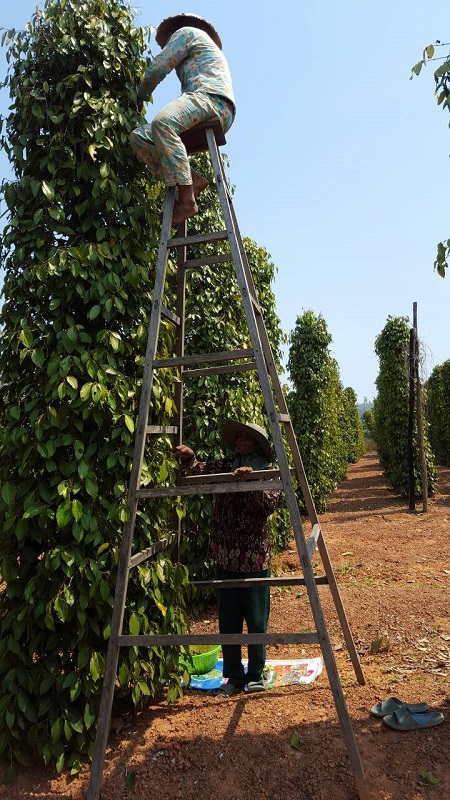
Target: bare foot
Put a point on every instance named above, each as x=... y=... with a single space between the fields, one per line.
x=199 y=183
x=183 y=211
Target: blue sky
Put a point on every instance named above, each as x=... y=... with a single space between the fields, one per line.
x=340 y=162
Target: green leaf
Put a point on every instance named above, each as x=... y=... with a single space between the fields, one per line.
x=48 y=190
x=55 y=730
x=8 y=493
x=72 y=381
x=295 y=741
x=64 y=514
x=77 y=509
x=88 y=716
x=134 y=625
x=94 y=312
x=130 y=780
x=94 y=667
x=33 y=511
x=129 y=423
x=91 y=487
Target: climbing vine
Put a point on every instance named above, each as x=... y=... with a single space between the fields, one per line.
x=438 y=411
x=324 y=417
x=391 y=410
x=79 y=249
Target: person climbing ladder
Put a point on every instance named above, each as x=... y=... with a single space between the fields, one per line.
x=192 y=47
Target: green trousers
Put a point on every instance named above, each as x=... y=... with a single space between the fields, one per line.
x=235 y=606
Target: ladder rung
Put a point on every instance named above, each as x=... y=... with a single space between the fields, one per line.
x=173 y=639
x=284 y=418
x=195 y=373
x=211 y=488
x=203 y=358
x=199 y=238
x=204 y=262
x=156 y=547
x=243 y=583
x=170 y=315
x=228 y=477
x=162 y=429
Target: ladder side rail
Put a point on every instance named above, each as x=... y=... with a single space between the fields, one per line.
x=340 y=610
x=179 y=352
x=271 y=368
x=180 y=333
x=112 y=657
x=152 y=343
x=291 y=499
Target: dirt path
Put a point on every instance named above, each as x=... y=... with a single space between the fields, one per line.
x=393 y=571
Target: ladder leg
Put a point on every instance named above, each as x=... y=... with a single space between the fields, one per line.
x=112 y=658
x=283 y=464
x=340 y=610
x=271 y=368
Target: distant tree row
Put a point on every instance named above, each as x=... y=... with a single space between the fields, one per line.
x=324 y=414
x=438 y=409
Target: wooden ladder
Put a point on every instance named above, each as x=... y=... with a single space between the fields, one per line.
x=201 y=138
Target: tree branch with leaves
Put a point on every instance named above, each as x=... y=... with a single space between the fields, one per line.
x=442 y=95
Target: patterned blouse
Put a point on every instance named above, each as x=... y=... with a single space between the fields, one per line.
x=199 y=63
x=240 y=538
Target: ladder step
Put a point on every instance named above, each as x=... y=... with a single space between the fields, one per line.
x=228 y=477
x=204 y=262
x=284 y=417
x=162 y=429
x=156 y=547
x=243 y=583
x=211 y=488
x=221 y=638
x=199 y=238
x=202 y=358
x=195 y=373
x=170 y=315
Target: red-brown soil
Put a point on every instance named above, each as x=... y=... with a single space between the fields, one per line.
x=393 y=571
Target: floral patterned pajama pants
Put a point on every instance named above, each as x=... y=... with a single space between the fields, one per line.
x=158 y=143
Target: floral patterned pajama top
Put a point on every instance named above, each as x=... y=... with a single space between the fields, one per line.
x=199 y=63
x=240 y=538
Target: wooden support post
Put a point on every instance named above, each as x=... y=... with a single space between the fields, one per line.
x=419 y=412
x=412 y=395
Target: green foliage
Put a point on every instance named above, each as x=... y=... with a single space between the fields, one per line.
x=391 y=410
x=442 y=95
x=438 y=412
x=351 y=427
x=368 y=421
x=78 y=251
x=325 y=418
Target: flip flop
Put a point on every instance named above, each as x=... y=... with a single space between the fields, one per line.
x=391 y=704
x=403 y=720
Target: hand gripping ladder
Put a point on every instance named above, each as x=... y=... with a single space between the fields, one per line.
x=208 y=136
